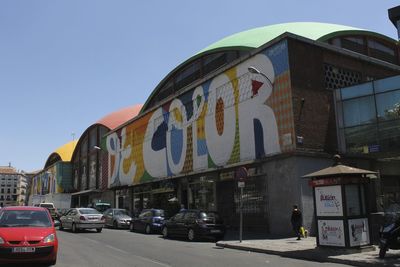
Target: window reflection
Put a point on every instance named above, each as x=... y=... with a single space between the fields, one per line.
x=388 y=105
x=359 y=111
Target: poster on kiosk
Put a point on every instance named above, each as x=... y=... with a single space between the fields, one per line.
x=329 y=201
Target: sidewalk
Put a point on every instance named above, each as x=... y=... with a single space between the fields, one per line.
x=306 y=249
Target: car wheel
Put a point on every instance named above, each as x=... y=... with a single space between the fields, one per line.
x=147 y=230
x=115 y=225
x=191 y=235
x=73 y=228
x=131 y=227
x=99 y=230
x=165 y=232
x=53 y=262
x=219 y=238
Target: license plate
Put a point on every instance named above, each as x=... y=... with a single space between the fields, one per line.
x=215 y=231
x=23 y=250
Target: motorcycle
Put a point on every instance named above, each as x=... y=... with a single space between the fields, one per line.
x=390 y=231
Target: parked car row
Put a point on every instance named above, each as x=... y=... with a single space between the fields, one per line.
x=191 y=224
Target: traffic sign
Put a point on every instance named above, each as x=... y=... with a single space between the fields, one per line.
x=240 y=184
x=241 y=173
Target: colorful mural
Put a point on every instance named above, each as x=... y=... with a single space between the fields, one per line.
x=236 y=116
x=55 y=179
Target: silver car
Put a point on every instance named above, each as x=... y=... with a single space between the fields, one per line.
x=117 y=218
x=82 y=218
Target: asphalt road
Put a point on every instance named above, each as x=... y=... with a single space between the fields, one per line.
x=119 y=248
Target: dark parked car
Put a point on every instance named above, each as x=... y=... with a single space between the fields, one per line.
x=148 y=221
x=117 y=218
x=194 y=224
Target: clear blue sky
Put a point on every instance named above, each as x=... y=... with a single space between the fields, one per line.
x=65 y=64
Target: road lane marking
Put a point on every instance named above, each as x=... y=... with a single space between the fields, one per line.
x=117 y=249
x=141 y=257
x=153 y=261
x=92 y=240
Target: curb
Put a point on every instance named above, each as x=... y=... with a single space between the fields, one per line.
x=313 y=256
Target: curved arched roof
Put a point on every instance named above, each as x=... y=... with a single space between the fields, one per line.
x=115 y=119
x=254 y=38
x=64 y=153
x=312 y=30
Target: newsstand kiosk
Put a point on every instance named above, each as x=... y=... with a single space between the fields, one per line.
x=340 y=205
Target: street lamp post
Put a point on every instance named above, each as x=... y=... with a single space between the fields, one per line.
x=254 y=70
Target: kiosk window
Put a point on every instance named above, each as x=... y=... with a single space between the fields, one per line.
x=354 y=202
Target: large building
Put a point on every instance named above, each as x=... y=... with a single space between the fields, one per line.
x=262 y=99
x=90 y=162
x=13 y=187
x=54 y=182
x=279 y=101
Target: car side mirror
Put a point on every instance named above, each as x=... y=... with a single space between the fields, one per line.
x=56 y=223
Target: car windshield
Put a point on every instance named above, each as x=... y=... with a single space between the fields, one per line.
x=48 y=206
x=158 y=213
x=120 y=212
x=24 y=218
x=88 y=211
x=209 y=215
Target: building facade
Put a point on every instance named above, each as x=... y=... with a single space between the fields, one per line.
x=90 y=162
x=13 y=187
x=368 y=118
x=54 y=182
x=211 y=115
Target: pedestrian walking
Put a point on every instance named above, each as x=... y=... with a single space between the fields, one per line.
x=297 y=221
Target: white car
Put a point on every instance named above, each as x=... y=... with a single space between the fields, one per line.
x=82 y=218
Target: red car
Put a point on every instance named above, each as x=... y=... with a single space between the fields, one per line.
x=27 y=235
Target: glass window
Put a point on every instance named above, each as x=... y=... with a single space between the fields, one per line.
x=358 y=139
x=92 y=171
x=188 y=75
x=387 y=84
x=253 y=197
x=88 y=211
x=352 y=200
x=389 y=138
x=359 y=111
x=26 y=218
x=355 y=44
x=179 y=216
x=93 y=138
x=357 y=90
x=388 y=105
x=381 y=51
x=83 y=174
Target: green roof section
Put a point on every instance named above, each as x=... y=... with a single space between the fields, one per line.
x=254 y=38
x=316 y=31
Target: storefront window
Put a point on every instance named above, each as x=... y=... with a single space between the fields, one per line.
x=253 y=197
x=201 y=195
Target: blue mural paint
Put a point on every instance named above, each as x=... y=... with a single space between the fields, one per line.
x=258 y=138
x=158 y=141
x=177 y=144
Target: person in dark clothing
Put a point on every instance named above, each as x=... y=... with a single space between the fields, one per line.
x=297 y=221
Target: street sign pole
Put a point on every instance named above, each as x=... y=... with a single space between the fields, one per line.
x=241 y=175
x=241 y=215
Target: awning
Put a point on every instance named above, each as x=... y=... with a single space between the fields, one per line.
x=86 y=192
x=341 y=170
